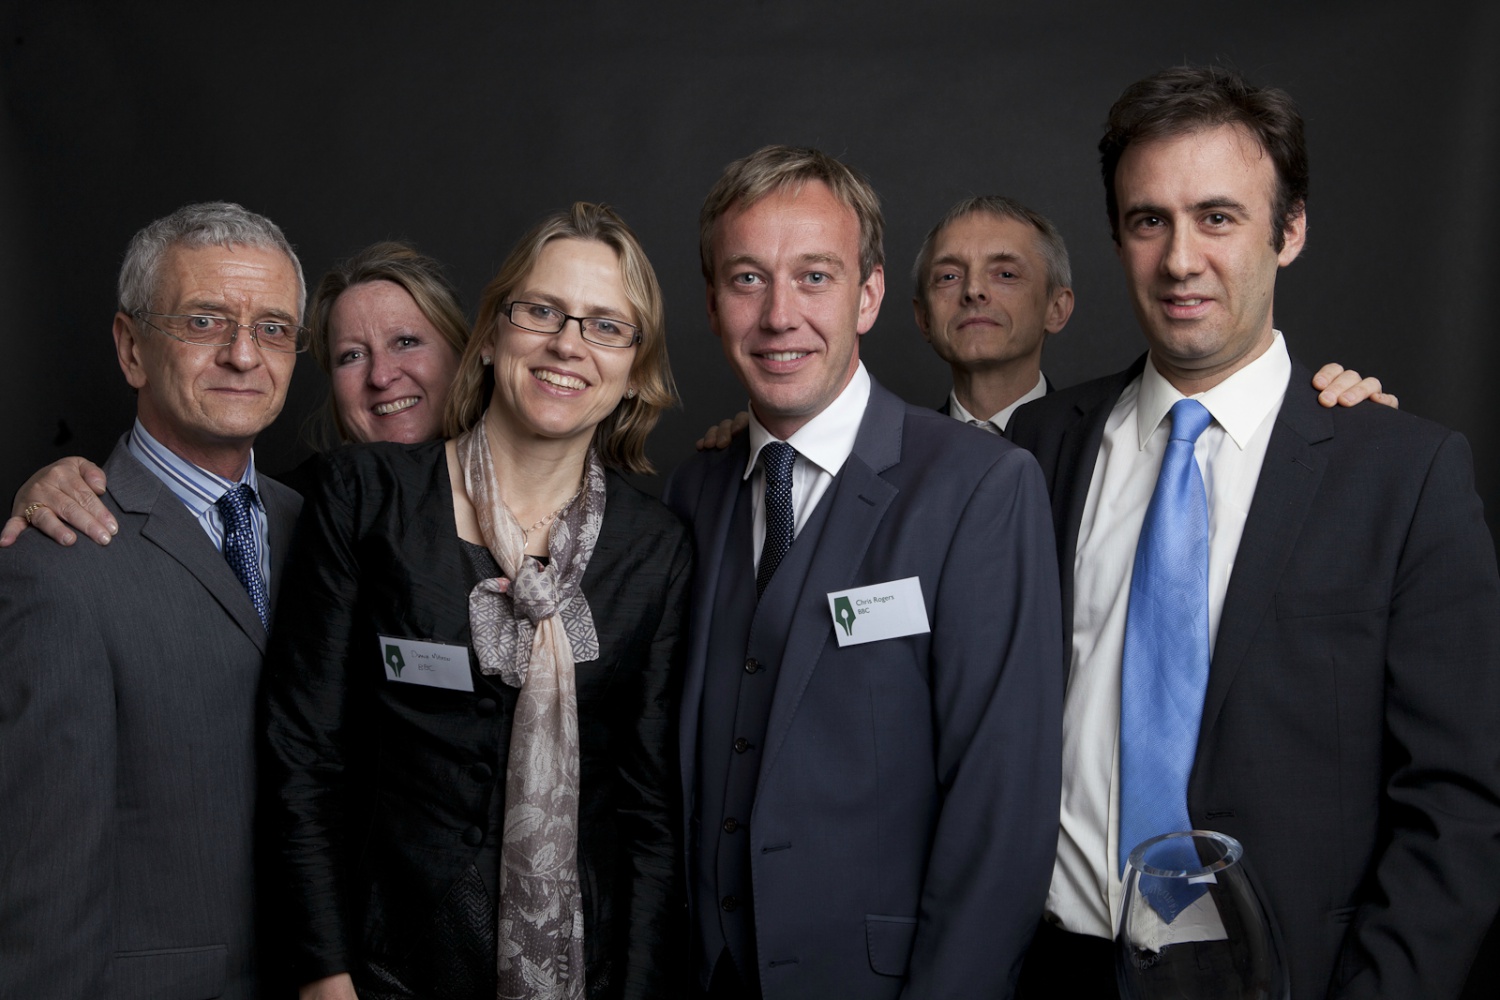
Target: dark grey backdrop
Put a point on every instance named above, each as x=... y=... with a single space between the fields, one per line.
x=457 y=125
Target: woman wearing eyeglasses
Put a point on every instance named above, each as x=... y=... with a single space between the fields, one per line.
x=469 y=713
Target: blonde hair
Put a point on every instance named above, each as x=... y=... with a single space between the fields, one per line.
x=775 y=168
x=418 y=275
x=620 y=437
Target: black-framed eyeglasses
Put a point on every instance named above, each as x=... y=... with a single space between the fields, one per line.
x=204 y=330
x=539 y=317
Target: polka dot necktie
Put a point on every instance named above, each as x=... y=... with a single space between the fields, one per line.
x=239 y=545
x=776 y=458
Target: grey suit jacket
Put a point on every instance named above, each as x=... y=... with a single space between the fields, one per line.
x=1349 y=735
x=128 y=683
x=905 y=815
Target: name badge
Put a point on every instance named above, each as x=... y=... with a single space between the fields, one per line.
x=882 y=611
x=432 y=664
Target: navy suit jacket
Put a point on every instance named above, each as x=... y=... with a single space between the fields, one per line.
x=127 y=754
x=1349 y=727
x=905 y=814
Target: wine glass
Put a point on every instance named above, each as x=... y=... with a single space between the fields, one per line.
x=1191 y=925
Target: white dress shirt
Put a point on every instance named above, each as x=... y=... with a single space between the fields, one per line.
x=1086 y=889
x=823 y=446
x=996 y=424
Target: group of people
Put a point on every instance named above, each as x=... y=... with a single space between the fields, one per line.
x=498 y=724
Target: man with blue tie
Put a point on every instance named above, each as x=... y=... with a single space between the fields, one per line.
x=871 y=703
x=1283 y=621
x=130 y=671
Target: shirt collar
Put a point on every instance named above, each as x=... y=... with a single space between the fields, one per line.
x=957 y=411
x=1239 y=404
x=828 y=438
x=196 y=487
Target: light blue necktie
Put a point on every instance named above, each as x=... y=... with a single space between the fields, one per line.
x=239 y=545
x=1165 y=669
x=776 y=458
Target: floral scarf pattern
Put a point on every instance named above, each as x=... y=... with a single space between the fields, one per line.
x=529 y=627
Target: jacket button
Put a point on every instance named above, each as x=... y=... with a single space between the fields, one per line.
x=751 y=666
x=731 y=824
x=473 y=836
x=741 y=745
x=730 y=904
x=481 y=772
x=486 y=706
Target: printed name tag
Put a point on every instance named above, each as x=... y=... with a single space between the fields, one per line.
x=884 y=611
x=431 y=663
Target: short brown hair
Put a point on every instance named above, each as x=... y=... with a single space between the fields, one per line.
x=620 y=437
x=1186 y=99
x=419 y=276
x=774 y=168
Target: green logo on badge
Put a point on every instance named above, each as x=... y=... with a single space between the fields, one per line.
x=843 y=613
x=393 y=658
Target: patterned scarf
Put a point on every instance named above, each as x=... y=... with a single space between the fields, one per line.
x=530 y=626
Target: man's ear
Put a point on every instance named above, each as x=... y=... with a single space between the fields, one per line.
x=1294 y=235
x=128 y=347
x=923 y=318
x=1059 y=310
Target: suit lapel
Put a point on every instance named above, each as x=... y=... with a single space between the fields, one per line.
x=1288 y=482
x=713 y=513
x=282 y=507
x=172 y=529
x=1077 y=456
x=858 y=501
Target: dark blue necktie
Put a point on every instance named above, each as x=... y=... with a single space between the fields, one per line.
x=776 y=459
x=1164 y=672
x=239 y=545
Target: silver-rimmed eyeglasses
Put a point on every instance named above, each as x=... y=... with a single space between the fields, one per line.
x=602 y=330
x=204 y=330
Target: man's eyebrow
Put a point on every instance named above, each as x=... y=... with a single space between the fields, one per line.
x=1207 y=204
x=1221 y=202
x=830 y=261
x=213 y=306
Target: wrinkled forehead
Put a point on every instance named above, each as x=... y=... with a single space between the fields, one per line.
x=984 y=234
x=233 y=276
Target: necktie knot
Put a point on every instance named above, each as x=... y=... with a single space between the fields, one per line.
x=1190 y=419
x=234 y=506
x=778 y=457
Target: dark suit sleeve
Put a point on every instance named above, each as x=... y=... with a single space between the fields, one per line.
x=57 y=787
x=649 y=811
x=308 y=735
x=997 y=701
x=1437 y=883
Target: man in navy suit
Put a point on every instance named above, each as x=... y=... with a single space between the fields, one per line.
x=871 y=706
x=991 y=283
x=1351 y=668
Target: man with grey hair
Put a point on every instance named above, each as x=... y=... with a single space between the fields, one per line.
x=991 y=283
x=128 y=685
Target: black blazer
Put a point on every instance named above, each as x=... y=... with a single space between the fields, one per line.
x=1349 y=735
x=388 y=791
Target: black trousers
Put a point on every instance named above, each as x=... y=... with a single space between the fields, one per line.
x=1061 y=963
